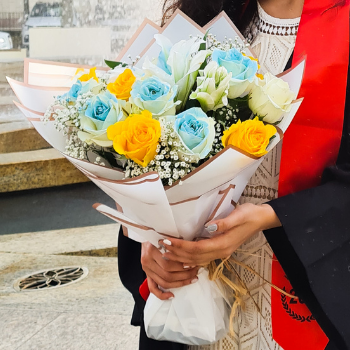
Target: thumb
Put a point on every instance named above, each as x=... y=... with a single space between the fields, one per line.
x=223 y=225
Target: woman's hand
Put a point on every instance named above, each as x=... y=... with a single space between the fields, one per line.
x=164 y=273
x=245 y=221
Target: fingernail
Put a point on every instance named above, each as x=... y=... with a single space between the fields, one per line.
x=212 y=228
x=165 y=258
x=194 y=280
x=167 y=242
x=171 y=298
x=186 y=267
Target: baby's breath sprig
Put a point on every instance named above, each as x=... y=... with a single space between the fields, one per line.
x=67 y=120
x=169 y=162
x=225 y=45
x=75 y=147
x=224 y=117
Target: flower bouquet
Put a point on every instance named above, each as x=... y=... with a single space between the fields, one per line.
x=173 y=137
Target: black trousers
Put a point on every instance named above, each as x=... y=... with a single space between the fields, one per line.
x=132 y=276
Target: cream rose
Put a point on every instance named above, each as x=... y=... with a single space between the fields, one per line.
x=270 y=98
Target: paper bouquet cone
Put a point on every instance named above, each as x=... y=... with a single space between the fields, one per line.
x=149 y=211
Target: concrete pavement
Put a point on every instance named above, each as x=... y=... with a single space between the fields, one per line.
x=93 y=313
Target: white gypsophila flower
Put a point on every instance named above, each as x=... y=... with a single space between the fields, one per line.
x=212 y=87
x=75 y=148
x=227 y=44
x=165 y=162
x=270 y=98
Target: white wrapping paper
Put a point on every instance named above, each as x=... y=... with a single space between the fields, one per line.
x=199 y=312
x=197 y=315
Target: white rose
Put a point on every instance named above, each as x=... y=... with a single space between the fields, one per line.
x=271 y=98
x=212 y=87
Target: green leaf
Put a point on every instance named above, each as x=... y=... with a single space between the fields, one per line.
x=203 y=46
x=241 y=103
x=113 y=64
x=276 y=123
x=191 y=103
x=206 y=35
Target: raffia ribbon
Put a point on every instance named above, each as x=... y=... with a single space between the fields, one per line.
x=237 y=290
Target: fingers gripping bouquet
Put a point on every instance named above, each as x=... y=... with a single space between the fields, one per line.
x=173 y=137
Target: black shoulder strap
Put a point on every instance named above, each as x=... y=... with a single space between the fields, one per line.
x=289 y=63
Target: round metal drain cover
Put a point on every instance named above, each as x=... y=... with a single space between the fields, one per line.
x=52 y=278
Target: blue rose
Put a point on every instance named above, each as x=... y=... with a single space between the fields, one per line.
x=73 y=93
x=99 y=106
x=153 y=95
x=243 y=70
x=80 y=88
x=103 y=111
x=196 y=132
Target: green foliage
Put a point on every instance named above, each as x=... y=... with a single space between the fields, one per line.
x=109 y=157
x=203 y=46
x=113 y=64
x=241 y=104
x=191 y=103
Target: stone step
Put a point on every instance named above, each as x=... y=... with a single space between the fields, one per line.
x=11 y=69
x=5 y=90
x=36 y=169
x=7 y=99
x=20 y=136
x=10 y=113
x=73 y=241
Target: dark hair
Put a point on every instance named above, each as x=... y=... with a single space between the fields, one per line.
x=202 y=11
x=241 y=12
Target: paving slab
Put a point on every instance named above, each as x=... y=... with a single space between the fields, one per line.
x=93 y=313
x=18 y=326
x=84 y=332
x=101 y=292
x=61 y=241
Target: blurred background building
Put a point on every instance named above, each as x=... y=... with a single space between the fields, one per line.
x=17 y=17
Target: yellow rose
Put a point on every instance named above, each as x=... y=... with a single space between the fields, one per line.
x=252 y=136
x=136 y=137
x=122 y=86
x=87 y=77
